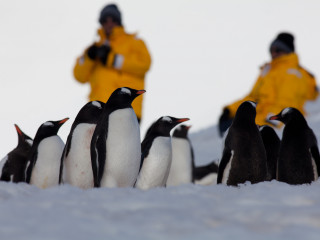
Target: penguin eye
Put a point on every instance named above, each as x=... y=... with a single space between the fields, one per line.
x=125 y=91
x=253 y=104
x=96 y=104
x=49 y=124
x=168 y=119
x=285 y=111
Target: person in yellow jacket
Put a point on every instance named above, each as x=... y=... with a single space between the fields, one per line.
x=118 y=59
x=282 y=83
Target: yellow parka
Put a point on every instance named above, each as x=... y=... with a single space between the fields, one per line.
x=282 y=83
x=126 y=66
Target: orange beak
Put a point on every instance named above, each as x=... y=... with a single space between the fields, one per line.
x=274 y=117
x=141 y=92
x=182 y=120
x=18 y=129
x=63 y=121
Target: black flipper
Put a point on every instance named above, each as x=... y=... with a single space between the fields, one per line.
x=223 y=163
x=32 y=162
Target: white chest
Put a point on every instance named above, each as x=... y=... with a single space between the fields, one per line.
x=314 y=167
x=123 y=149
x=181 y=166
x=227 y=169
x=77 y=165
x=45 y=172
x=156 y=166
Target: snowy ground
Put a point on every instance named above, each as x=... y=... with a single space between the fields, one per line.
x=268 y=210
x=211 y=48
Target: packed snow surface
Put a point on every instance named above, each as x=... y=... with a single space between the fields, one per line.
x=267 y=210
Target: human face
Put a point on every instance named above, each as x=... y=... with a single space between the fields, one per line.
x=276 y=52
x=108 y=25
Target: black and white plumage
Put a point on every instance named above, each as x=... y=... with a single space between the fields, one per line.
x=43 y=164
x=157 y=153
x=76 y=168
x=14 y=168
x=115 y=146
x=206 y=174
x=271 y=143
x=244 y=157
x=299 y=160
x=181 y=171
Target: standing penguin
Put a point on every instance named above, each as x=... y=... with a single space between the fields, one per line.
x=181 y=171
x=244 y=157
x=271 y=143
x=43 y=164
x=157 y=153
x=299 y=160
x=14 y=167
x=76 y=168
x=115 y=145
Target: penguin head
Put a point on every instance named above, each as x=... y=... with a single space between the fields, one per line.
x=49 y=128
x=181 y=131
x=287 y=115
x=246 y=110
x=23 y=138
x=266 y=130
x=164 y=125
x=124 y=95
x=90 y=112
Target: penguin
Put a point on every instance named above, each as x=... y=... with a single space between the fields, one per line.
x=14 y=167
x=244 y=157
x=271 y=143
x=156 y=154
x=181 y=171
x=75 y=167
x=115 y=146
x=207 y=174
x=299 y=160
x=44 y=159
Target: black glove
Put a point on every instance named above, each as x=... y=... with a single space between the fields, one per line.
x=94 y=52
x=103 y=52
x=225 y=121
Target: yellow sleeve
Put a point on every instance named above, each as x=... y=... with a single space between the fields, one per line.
x=135 y=61
x=313 y=91
x=252 y=96
x=83 y=68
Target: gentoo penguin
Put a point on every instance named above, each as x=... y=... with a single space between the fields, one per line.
x=43 y=164
x=271 y=143
x=115 y=145
x=207 y=174
x=181 y=171
x=157 y=153
x=299 y=160
x=14 y=167
x=76 y=168
x=244 y=157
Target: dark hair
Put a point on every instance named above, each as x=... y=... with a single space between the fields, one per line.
x=283 y=42
x=111 y=10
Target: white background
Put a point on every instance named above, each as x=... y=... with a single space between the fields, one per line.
x=205 y=54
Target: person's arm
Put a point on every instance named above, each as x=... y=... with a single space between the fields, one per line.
x=313 y=90
x=83 y=67
x=135 y=61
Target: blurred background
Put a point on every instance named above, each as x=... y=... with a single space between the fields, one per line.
x=205 y=54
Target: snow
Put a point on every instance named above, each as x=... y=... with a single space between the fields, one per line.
x=268 y=210
x=205 y=54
